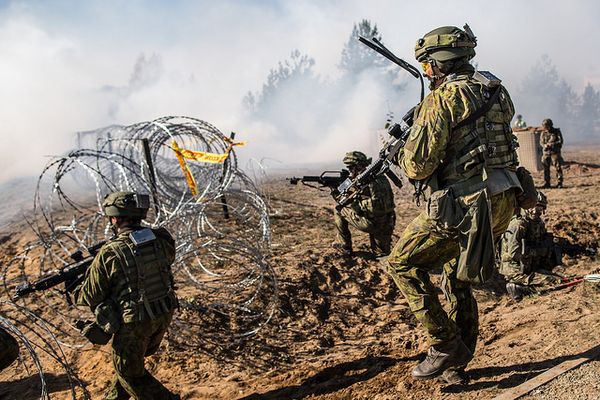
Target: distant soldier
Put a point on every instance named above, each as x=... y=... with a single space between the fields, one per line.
x=520 y=122
x=528 y=253
x=551 y=141
x=130 y=288
x=9 y=349
x=371 y=211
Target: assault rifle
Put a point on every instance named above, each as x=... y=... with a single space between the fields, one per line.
x=398 y=132
x=330 y=179
x=350 y=188
x=71 y=274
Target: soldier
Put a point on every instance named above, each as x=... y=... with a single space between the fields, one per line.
x=528 y=252
x=372 y=211
x=130 y=288
x=9 y=349
x=461 y=148
x=551 y=141
x=520 y=122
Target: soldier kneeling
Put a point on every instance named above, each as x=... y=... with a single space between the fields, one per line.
x=371 y=211
x=528 y=253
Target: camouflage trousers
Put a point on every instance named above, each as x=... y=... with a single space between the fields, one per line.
x=556 y=160
x=131 y=344
x=9 y=349
x=423 y=248
x=538 y=278
x=379 y=228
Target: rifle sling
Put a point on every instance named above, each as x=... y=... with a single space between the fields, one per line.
x=480 y=111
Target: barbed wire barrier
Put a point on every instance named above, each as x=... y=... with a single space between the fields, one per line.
x=213 y=209
x=34 y=334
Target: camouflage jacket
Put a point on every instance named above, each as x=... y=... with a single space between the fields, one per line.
x=375 y=200
x=531 y=233
x=434 y=143
x=106 y=278
x=551 y=140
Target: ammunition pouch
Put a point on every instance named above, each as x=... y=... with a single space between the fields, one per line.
x=108 y=317
x=472 y=228
x=444 y=209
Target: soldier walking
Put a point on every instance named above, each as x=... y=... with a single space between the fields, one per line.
x=129 y=286
x=551 y=141
x=371 y=211
x=466 y=162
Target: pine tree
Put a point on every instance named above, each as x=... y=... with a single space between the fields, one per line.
x=357 y=57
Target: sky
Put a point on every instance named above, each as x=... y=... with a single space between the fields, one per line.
x=70 y=66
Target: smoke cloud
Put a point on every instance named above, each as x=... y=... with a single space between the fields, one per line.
x=75 y=66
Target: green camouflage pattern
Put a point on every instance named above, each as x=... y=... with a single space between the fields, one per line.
x=551 y=141
x=135 y=339
x=356 y=158
x=9 y=349
x=432 y=133
x=425 y=247
x=531 y=265
x=372 y=211
x=105 y=279
x=131 y=344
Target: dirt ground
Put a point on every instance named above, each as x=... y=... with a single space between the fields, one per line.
x=343 y=331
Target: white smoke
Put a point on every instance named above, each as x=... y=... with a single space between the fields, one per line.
x=76 y=66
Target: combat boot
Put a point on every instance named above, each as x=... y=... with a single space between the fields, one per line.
x=517 y=291
x=546 y=185
x=441 y=357
x=344 y=249
x=454 y=376
x=559 y=185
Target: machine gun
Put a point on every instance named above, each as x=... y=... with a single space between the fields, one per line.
x=71 y=274
x=330 y=179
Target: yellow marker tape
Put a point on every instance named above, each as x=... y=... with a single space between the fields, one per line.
x=201 y=156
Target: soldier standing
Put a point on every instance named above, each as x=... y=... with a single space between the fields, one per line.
x=528 y=253
x=520 y=122
x=551 y=141
x=461 y=148
x=130 y=288
x=371 y=211
x=9 y=349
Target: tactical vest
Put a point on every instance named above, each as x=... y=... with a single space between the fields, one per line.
x=381 y=198
x=483 y=152
x=147 y=290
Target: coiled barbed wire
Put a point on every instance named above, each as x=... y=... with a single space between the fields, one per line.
x=222 y=233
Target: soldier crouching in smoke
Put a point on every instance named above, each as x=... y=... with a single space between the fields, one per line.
x=371 y=211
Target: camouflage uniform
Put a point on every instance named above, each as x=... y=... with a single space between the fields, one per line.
x=551 y=141
x=372 y=212
x=457 y=159
x=9 y=349
x=137 y=281
x=529 y=266
x=520 y=123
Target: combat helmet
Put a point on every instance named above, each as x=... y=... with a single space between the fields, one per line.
x=356 y=158
x=126 y=204
x=445 y=44
x=547 y=123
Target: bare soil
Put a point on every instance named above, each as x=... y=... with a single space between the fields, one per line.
x=343 y=331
